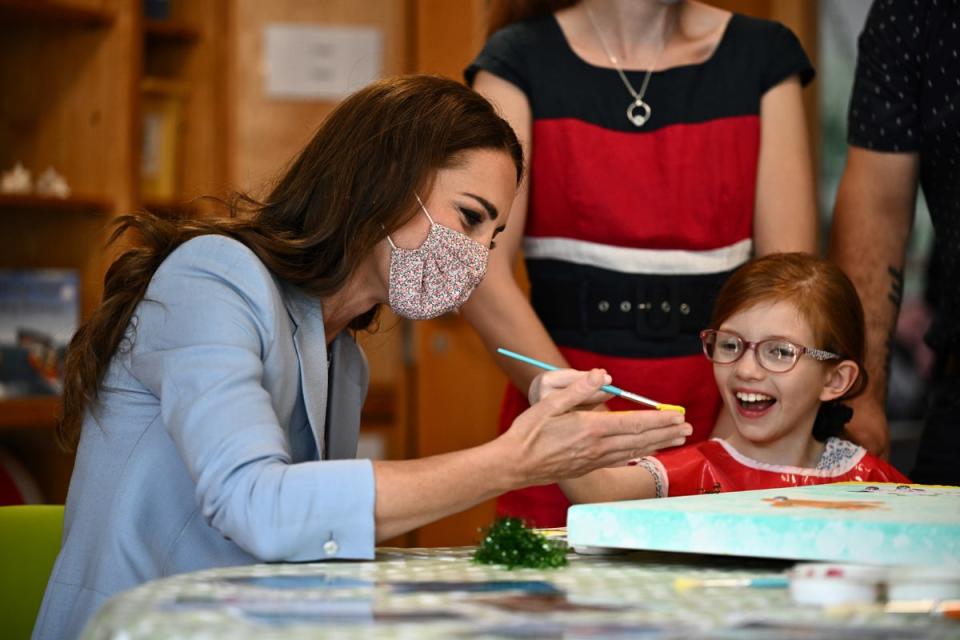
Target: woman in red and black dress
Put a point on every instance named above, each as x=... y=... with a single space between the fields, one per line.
x=630 y=227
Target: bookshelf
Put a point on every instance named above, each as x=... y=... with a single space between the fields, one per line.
x=72 y=77
x=36 y=412
x=25 y=204
x=53 y=13
x=170 y=31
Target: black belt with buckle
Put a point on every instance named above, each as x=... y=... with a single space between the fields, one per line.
x=631 y=315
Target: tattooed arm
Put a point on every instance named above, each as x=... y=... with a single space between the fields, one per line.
x=871 y=223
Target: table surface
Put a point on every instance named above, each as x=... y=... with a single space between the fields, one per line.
x=421 y=593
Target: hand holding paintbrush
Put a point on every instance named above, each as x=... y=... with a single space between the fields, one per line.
x=537 y=393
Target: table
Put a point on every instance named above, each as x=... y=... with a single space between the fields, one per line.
x=441 y=593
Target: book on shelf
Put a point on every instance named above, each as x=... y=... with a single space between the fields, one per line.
x=39 y=312
x=162 y=121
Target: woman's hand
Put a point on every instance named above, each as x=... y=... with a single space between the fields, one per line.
x=548 y=442
x=551 y=441
x=550 y=382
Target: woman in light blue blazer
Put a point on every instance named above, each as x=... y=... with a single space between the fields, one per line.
x=215 y=394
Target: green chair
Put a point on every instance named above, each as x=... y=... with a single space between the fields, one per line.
x=29 y=542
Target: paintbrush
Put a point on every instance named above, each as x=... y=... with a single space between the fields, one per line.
x=760 y=582
x=609 y=388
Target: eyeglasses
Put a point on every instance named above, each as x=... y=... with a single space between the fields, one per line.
x=773 y=354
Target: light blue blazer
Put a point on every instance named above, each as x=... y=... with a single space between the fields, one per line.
x=222 y=436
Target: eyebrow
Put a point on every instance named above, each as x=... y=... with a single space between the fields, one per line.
x=491 y=210
x=784 y=338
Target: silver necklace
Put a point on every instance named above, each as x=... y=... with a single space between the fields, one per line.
x=638 y=111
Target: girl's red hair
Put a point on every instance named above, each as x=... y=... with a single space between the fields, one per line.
x=822 y=293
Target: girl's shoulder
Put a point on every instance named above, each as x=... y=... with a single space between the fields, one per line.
x=839 y=455
x=876 y=469
x=843 y=456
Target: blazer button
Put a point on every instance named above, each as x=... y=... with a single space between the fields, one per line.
x=330 y=547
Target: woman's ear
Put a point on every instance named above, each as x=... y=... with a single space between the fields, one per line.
x=839 y=379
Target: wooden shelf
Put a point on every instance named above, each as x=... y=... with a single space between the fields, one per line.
x=28 y=202
x=35 y=412
x=170 y=31
x=70 y=79
x=170 y=208
x=18 y=12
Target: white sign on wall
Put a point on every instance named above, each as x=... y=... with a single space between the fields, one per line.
x=319 y=63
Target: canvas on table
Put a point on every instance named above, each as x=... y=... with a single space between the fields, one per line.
x=883 y=524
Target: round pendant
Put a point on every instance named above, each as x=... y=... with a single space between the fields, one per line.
x=638 y=118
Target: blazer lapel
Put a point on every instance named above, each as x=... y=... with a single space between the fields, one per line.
x=348 y=390
x=311 y=345
x=332 y=395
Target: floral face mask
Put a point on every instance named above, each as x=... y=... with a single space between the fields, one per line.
x=436 y=277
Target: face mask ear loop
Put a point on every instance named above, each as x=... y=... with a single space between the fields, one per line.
x=420 y=202
x=389 y=239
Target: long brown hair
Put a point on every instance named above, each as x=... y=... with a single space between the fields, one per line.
x=504 y=12
x=351 y=185
x=821 y=291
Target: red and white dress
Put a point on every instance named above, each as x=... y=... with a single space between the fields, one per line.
x=630 y=233
x=715 y=466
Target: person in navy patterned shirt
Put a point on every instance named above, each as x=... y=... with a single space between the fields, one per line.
x=904 y=131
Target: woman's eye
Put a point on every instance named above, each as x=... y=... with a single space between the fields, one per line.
x=472 y=217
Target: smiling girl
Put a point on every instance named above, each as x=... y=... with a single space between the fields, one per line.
x=787 y=346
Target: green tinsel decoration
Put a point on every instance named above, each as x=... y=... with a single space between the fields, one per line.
x=511 y=543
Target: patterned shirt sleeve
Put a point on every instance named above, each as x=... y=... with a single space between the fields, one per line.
x=884 y=107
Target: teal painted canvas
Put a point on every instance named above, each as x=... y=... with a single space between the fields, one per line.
x=883 y=524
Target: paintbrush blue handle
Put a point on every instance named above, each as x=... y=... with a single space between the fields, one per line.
x=528 y=360
x=609 y=388
x=773 y=582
